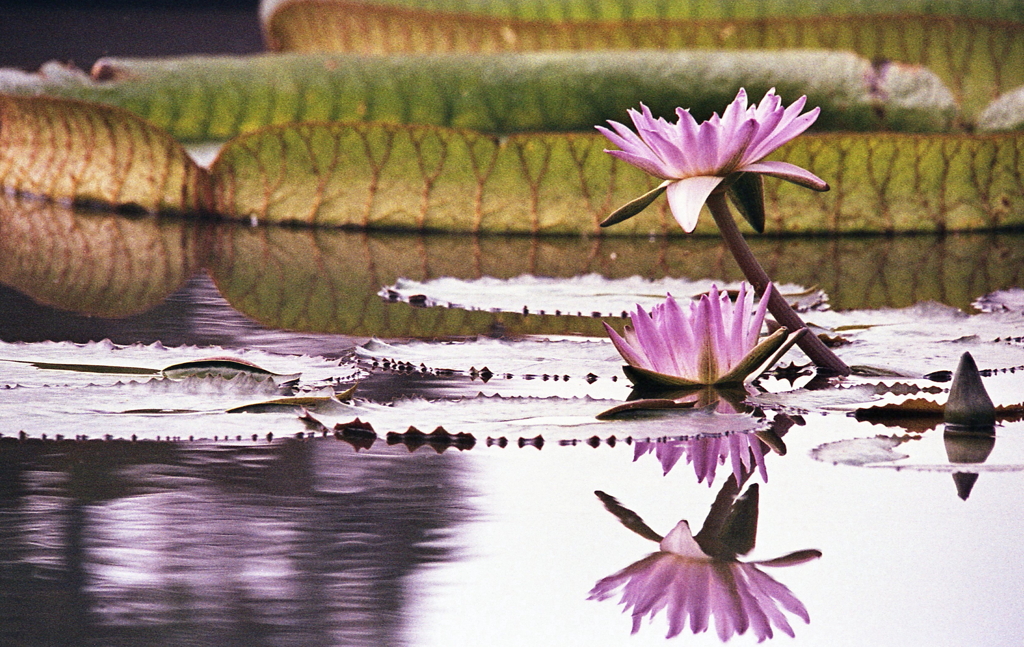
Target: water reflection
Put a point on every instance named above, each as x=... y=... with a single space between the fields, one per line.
x=743 y=451
x=699 y=578
x=292 y=543
x=326 y=281
x=967 y=447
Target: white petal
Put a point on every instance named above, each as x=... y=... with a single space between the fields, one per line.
x=686 y=197
x=680 y=541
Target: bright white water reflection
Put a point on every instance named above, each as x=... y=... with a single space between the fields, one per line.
x=310 y=543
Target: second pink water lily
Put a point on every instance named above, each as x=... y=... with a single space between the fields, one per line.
x=708 y=341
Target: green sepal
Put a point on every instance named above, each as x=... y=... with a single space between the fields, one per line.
x=747 y=194
x=635 y=206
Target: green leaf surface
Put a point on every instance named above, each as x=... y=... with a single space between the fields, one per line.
x=582 y=10
x=217 y=97
x=418 y=178
x=81 y=152
x=977 y=48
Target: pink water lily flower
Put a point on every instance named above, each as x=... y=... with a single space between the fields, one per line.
x=691 y=585
x=696 y=159
x=710 y=341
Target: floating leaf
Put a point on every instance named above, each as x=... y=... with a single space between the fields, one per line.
x=647 y=404
x=298 y=404
x=859 y=451
x=86 y=153
x=975 y=47
x=217 y=97
x=917 y=415
x=577 y=11
x=224 y=367
x=104 y=369
x=420 y=178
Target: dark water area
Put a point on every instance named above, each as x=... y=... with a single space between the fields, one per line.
x=161 y=544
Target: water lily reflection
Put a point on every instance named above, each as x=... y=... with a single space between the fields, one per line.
x=743 y=451
x=689 y=584
x=697 y=579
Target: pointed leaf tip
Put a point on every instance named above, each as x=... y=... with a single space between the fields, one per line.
x=969 y=404
x=635 y=206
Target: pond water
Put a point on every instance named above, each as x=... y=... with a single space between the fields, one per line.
x=291 y=525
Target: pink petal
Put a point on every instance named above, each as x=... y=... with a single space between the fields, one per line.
x=687 y=196
x=789 y=127
x=633 y=356
x=758 y=318
x=651 y=341
x=787 y=171
x=733 y=146
x=649 y=164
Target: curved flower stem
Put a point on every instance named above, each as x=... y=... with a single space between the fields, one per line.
x=777 y=304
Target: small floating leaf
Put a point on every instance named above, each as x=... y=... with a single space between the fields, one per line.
x=647 y=404
x=297 y=404
x=917 y=415
x=90 y=368
x=220 y=367
x=859 y=451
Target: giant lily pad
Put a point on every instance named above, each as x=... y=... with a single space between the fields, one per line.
x=976 y=47
x=204 y=97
